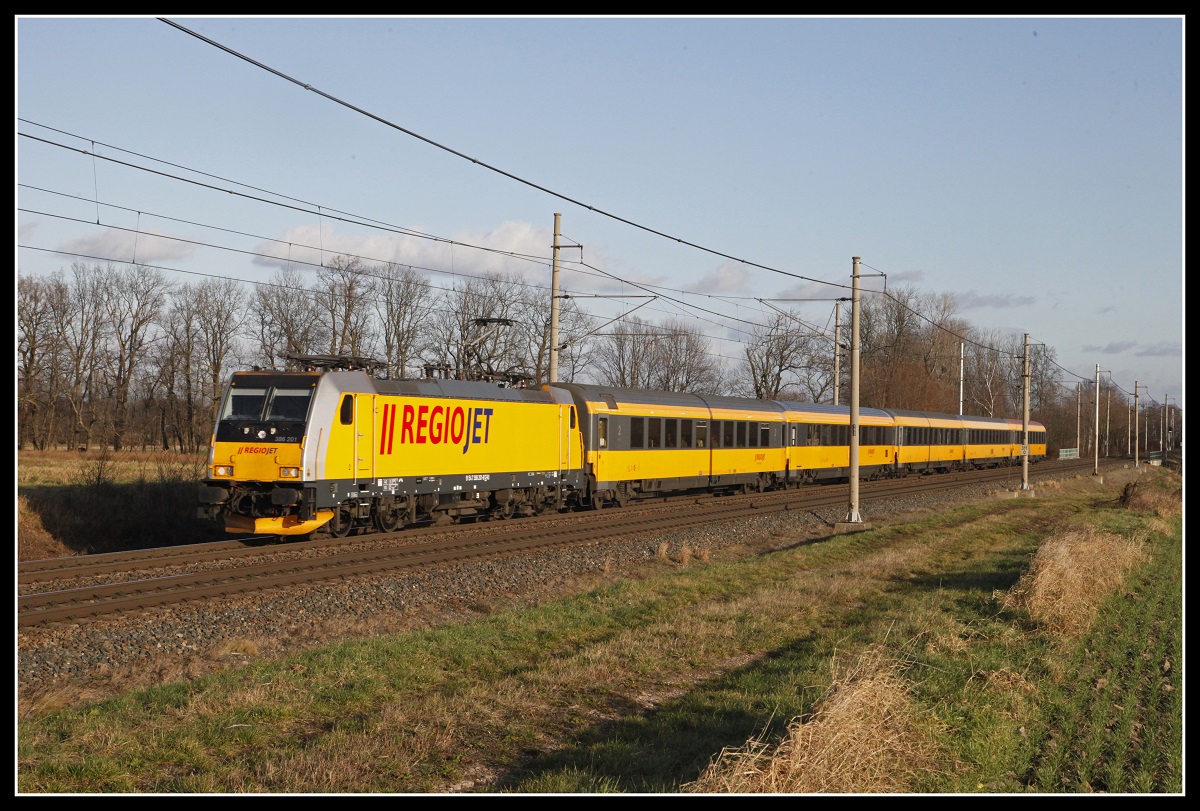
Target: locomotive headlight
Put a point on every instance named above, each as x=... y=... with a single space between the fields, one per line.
x=223 y=470
x=262 y=434
x=289 y=472
x=245 y=429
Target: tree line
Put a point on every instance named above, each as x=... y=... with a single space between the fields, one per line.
x=117 y=356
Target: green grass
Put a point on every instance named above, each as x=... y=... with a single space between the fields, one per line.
x=637 y=686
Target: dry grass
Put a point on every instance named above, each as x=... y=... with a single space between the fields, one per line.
x=33 y=541
x=1071 y=575
x=1166 y=505
x=865 y=735
x=63 y=467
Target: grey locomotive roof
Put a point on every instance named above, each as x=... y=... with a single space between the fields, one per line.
x=461 y=389
x=639 y=396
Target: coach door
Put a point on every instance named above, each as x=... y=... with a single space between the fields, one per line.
x=364 y=428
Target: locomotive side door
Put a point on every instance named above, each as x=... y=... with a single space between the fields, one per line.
x=569 y=454
x=364 y=429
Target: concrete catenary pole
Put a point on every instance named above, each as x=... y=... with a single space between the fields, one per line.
x=553 y=377
x=1096 y=429
x=962 y=365
x=1136 y=438
x=1025 y=418
x=853 y=516
x=1078 y=415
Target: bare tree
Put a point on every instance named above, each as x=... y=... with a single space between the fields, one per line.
x=471 y=331
x=286 y=319
x=345 y=299
x=403 y=305
x=178 y=374
x=683 y=361
x=38 y=358
x=624 y=356
x=779 y=358
x=219 y=315
x=132 y=303
x=534 y=334
x=986 y=374
x=76 y=307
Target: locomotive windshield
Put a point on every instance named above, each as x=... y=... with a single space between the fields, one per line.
x=266 y=404
x=266 y=408
x=244 y=404
x=288 y=404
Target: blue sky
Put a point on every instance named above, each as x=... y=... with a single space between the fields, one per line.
x=1032 y=167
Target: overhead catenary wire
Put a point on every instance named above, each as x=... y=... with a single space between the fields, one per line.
x=320 y=212
x=488 y=166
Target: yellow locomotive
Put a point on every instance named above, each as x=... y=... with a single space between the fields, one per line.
x=339 y=451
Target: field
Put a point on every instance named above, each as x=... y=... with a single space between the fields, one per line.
x=146 y=499
x=1012 y=646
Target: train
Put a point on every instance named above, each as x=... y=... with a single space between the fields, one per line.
x=339 y=451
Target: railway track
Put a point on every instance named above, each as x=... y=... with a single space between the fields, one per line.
x=157 y=578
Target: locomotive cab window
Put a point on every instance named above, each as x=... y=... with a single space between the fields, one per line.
x=244 y=404
x=346 y=415
x=289 y=404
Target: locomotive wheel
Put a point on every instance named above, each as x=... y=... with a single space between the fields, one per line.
x=388 y=520
x=341 y=524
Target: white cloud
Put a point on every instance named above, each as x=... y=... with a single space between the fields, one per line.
x=124 y=246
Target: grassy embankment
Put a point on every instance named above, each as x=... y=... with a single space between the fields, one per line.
x=77 y=503
x=1020 y=645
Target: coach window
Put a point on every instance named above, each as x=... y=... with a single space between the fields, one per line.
x=727 y=431
x=741 y=434
x=602 y=432
x=347 y=413
x=654 y=438
x=671 y=439
x=751 y=435
x=701 y=433
x=637 y=432
x=791 y=435
x=685 y=433
x=764 y=433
